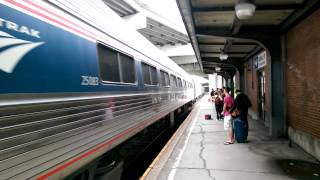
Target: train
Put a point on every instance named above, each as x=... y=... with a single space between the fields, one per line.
x=77 y=81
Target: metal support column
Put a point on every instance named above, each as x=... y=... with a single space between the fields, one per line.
x=272 y=43
x=277 y=87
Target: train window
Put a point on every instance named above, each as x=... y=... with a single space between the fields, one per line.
x=167 y=79
x=146 y=73
x=154 y=76
x=109 y=64
x=173 y=81
x=164 y=78
x=184 y=84
x=149 y=74
x=127 y=68
x=179 y=82
x=115 y=66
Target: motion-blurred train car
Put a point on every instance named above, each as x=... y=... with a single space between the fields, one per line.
x=76 y=81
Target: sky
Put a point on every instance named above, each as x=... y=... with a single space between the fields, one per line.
x=166 y=8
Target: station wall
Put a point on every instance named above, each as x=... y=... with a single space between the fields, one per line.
x=253 y=88
x=303 y=84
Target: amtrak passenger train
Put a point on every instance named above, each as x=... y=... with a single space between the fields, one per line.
x=75 y=82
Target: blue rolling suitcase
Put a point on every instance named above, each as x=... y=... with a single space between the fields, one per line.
x=240 y=131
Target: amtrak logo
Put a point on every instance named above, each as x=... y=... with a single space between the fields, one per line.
x=16 y=49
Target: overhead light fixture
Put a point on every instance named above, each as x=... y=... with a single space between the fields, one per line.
x=223 y=56
x=245 y=10
x=218 y=69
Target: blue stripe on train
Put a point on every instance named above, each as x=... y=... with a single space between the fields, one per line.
x=55 y=66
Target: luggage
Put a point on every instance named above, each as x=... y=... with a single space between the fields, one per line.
x=240 y=131
x=207 y=116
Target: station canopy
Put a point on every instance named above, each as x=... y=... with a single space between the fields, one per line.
x=171 y=39
x=215 y=29
x=157 y=30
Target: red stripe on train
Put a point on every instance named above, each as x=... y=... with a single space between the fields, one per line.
x=58 y=16
x=13 y=2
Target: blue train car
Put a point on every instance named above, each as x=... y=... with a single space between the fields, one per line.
x=76 y=81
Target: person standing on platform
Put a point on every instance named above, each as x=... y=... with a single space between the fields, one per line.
x=227 y=105
x=212 y=92
x=218 y=102
x=221 y=94
x=241 y=105
x=211 y=99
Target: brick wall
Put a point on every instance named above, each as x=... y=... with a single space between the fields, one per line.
x=251 y=85
x=303 y=73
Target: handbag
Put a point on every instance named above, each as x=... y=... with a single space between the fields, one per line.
x=207 y=116
x=235 y=113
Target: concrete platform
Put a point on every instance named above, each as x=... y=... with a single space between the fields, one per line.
x=197 y=152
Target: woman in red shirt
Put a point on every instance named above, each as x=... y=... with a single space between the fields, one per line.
x=227 y=104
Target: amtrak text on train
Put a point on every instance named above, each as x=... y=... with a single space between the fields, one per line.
x=19 y=28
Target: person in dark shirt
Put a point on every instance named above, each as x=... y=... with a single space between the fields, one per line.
x=218 y=101
x=212 y=93
x=242 y=103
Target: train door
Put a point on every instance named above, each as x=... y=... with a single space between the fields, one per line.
x=261 y=94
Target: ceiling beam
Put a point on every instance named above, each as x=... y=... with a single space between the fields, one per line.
x=167 y=28
x=246 y=32
x=197 y=73
x=158 y=34
x=236 y=63
x=258 y=7
x=218 y=52
x=153 y=34
x=185 y=9
x=167 y=33
x=242 y=55
x=253 y=52
x=217 y=59
x=155 y=42
x=158 y=40
x=308 y=6
x=236 y=25
x=190 y=67
x=233 y=43
x=227 y=46
x=214 y=67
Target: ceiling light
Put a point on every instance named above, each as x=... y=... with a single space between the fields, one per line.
x=218 y=69
x=245 y=10
x=223 y=56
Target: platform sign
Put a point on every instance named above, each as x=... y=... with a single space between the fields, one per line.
x=260 y=60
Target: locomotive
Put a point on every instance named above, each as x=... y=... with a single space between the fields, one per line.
x=76 y=81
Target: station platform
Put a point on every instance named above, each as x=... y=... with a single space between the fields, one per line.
x=196 y=152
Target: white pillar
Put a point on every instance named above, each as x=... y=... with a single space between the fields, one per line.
x=219 y=81
x=212 y=81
